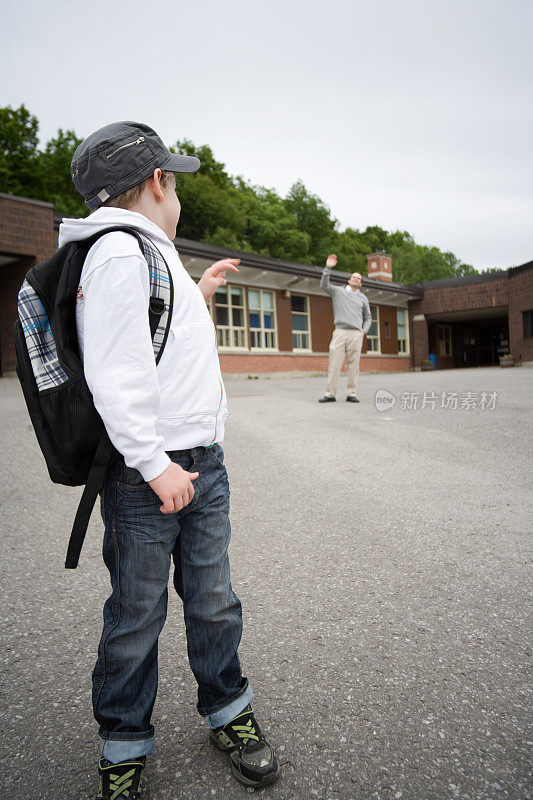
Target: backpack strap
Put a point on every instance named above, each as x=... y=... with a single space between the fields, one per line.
x=159 y=317
x=161 y=295
x=95 y=481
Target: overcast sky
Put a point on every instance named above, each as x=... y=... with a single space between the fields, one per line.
x=409 y=114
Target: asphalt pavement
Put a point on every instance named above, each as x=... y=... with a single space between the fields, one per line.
x=381 y=557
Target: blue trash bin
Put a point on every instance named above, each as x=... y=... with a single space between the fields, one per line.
x=433 y=359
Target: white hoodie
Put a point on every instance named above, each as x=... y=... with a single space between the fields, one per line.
x=147 y=410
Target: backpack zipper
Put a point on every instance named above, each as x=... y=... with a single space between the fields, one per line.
x=123 y=147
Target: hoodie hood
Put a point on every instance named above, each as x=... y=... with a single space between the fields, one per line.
x=74 y=230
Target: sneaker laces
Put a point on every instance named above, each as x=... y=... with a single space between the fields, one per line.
x=120 y=778
x=248 y=730
x=121 y=784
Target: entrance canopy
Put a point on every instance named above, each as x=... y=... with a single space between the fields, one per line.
x=496 y=312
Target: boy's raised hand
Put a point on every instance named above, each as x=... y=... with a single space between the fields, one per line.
x=215 y=276
x=174 y=488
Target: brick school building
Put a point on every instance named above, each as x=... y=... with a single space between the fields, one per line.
x=273 y=317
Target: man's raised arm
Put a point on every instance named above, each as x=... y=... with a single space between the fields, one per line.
x=331 y=262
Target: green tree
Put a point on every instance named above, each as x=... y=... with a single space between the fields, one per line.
x=412 y=263
x=313 y=218
x=29 y=172
x=206 y=207
x=270 y=228
x=352 y=250
x=210 y=166
x=376 y=239
x=54 y=172
x=224 y=237
x=462 y=270
x=18 y=152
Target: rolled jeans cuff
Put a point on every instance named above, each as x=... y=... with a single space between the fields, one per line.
x=116 y=750
x=226 y=714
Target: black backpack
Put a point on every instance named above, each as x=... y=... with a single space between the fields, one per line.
x=69 y=429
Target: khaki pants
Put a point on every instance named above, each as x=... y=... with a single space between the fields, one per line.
x=344 y=344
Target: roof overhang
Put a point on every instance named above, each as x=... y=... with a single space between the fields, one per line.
x=497 y=312
x=291 y=276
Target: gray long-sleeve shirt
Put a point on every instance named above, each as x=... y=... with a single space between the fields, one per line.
x=350 y=309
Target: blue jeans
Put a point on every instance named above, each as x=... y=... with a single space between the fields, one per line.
x=139 y=543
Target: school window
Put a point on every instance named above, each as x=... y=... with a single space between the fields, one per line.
x=403 y=330
x=262 y=316
x=372 y=337
x=301 y=338
x=230 y=317
x=444 y=333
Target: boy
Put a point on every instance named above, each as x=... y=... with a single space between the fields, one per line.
x=168 y=496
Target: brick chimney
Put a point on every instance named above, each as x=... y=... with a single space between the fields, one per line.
x=380 y=266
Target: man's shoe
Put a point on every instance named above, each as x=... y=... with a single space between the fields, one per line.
x=253 y=760
x=120 y=781
x=326 y=399
x=352 y=399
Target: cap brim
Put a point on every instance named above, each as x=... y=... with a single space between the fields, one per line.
x=179 y=163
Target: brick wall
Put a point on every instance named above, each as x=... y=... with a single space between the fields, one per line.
x=257 y=363
x=26 y=237
x=26 y=227
x=520 y=299
x=485 y=294
x=418 y=335
x=321 y=310
x=466 y=297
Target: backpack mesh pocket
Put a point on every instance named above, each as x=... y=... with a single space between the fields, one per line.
x=76 y=426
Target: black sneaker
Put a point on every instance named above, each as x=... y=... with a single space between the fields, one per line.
x=122 y=780
x=326 y=399
x=253 y=760
x=352 y=399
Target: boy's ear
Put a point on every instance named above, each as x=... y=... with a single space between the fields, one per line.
x=154 y=183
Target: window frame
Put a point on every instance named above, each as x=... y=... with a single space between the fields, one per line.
x=406 y=325
x=262 y=330
x=307 y=333
x=369 y=337
x=231 y=329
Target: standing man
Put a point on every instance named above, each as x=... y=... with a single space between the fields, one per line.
x=351 y=312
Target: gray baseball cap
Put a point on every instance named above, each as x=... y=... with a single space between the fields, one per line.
x=118 y=157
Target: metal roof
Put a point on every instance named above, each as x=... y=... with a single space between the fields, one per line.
x=460 y=280
x=209 y=251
